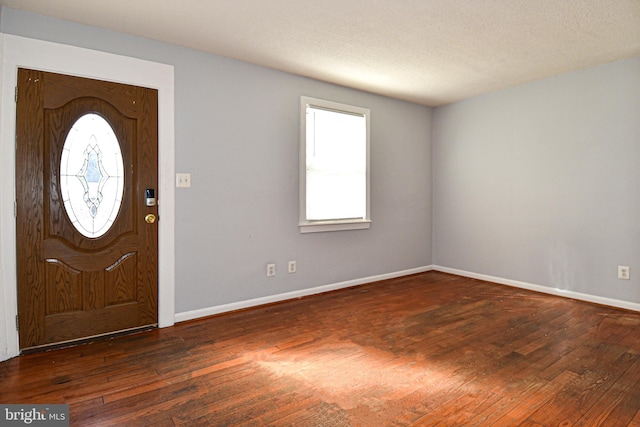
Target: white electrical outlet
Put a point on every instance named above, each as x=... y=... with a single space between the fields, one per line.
x=271 y=270
x=624 y=272
x=183 y=180
x=292 y=266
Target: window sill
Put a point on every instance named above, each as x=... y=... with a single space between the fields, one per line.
x=322 y=226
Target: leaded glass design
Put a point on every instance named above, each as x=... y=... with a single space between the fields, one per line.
x=92 y=175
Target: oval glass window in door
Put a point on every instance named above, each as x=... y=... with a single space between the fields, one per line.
x=92 y=175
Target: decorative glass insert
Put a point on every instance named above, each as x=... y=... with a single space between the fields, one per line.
x=92 y=175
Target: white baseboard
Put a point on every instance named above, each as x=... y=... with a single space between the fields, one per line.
x=224 y=308
x=543 y=289
x=209 y=311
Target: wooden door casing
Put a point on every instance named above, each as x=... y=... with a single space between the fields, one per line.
x=72 y=287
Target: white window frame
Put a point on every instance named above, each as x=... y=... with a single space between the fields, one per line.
x=307 y=226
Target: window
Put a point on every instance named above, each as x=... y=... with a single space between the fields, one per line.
x=91 y=175
x=334 y=166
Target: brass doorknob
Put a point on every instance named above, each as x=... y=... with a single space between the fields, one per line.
x=150 y=218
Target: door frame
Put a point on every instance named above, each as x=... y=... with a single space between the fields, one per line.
x=15 y=52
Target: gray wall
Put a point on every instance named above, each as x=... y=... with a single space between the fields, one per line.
x=237 y=134
x=541 y=183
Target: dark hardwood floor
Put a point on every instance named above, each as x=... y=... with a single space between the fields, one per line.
x=425 y=350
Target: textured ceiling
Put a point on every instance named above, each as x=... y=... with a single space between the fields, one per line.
x=427 y=51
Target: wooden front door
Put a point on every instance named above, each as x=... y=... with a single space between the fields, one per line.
x=87 y=238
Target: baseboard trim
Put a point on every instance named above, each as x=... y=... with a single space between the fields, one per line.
x=224 y=308
x=543 y=289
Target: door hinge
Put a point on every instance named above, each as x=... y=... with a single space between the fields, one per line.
x=16 y=98
x=17 y=324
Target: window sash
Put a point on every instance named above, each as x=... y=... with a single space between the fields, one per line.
x=334 y=164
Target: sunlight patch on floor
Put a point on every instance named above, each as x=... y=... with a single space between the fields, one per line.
x=350 y=374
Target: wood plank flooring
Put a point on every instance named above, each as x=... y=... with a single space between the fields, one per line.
x=430 y=349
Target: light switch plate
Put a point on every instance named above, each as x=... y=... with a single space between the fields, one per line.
x=183 y=180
